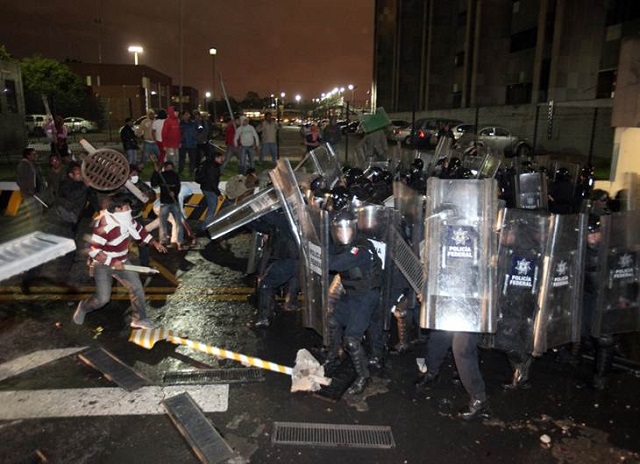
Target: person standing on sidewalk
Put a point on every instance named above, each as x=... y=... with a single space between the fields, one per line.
x=108 y=254
x=247 y=139
x=129 y=142
x=269 y=131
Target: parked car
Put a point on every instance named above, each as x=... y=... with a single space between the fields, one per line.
x=426 y=132
x=76 y=124
x=402 y=135
x=498 y=139
x=34 y=124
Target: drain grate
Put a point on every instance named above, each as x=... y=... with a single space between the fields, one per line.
x=113 y=369
x=208 y=376
x=333 y=435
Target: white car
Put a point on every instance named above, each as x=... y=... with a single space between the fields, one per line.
x=75 y=124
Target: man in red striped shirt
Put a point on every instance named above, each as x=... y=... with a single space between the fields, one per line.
x=108 y=252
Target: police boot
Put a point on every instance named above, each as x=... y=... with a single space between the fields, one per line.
x=359 y=360
x=604 y=360
x=334 y=349
x=478 y=407
x=403 y=344
x=428 y=379
x=265 y=306
x=520 y=378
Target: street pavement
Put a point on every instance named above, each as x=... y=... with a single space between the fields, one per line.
x=54 y=405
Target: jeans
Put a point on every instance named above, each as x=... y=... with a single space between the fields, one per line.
x=132 y=155
x=103 y=276
x=269 y=148
x=165 y=210
x=244 y=151
x=231 y=151
x=150 y=147
x=212 y=204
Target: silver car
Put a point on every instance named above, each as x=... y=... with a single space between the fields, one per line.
x=499 y=140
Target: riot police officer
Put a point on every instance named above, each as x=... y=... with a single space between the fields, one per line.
x=358 y=265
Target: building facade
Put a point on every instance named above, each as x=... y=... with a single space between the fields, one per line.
x=546 y=69
x=13 y=137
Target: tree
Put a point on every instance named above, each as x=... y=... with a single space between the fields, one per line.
x=252 y=100
x=5 y=55
x=65 y=91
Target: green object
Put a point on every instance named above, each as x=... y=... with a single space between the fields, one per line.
x=375 y=121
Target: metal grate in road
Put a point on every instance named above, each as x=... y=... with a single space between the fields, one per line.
x=209 y=376
x=333 y=435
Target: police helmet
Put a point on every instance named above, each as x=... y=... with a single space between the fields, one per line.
x=344 y=227
x=374 y=174
x=317 y=184
x=466 y=173
x=593 y=224
x=418 y=164
x=354 y=175
x=455 y=163
x=340 y=197
x=562 y=174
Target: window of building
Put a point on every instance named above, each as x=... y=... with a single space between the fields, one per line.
x=523 y=40
x=606 y=86
x=10 y=95
x=518 y=93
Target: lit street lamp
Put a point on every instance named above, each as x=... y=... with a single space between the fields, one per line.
x=135 y=49
x=213 y=52
x=207 y=95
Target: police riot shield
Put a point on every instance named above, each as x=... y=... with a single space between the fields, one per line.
x=375 y=222
x=483 y=165
x=233 y=217
x=523 y=237
x=560 y=295
x=323 y=161
x=460 y=249
x=410 y=206
x=618 y=309
x=311 y=228
x=531 y=191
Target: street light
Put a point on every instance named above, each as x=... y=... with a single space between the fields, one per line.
x=135 y=49
x=213 y=52
x=353 y=91
x=207 y=95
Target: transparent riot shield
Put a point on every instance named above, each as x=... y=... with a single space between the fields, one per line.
x=410 y=206
x=531 y=191
x=630 y=195
x=323 y=161
x=311 y=228
x=460 y=248
x=484 y=165
x=523 y=237
x=376 y=222
x=560 y=295
x=618 y=308
x=233 y=217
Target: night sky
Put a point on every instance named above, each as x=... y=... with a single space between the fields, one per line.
x=294 y=46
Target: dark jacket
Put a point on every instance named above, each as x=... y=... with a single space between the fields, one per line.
x=210 y=175
x=72 y=197
x=168 y=181
x=128 y=138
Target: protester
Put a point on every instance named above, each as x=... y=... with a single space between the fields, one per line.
x=31 y=184
x=209 y=178
x=129 y=142
x=109 y=253
x=171 y=136
x=169 y=183
x=268 y=130
x=247 y=139
x=188 y=143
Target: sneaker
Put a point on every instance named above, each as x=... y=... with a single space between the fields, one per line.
x=78 y=316
x=142 y=324
x=262 y=323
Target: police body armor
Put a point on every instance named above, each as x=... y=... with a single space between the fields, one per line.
x=618 y=305
x=460 y=250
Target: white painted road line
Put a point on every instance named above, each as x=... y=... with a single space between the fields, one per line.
x=36 y=359
x=84 y=402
